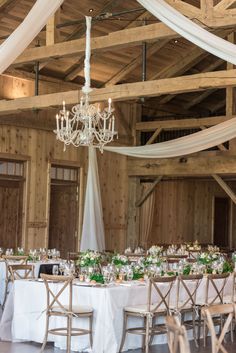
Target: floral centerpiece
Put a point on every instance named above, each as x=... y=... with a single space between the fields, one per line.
x=152 y=260
x=138 y=272
x=120 y=260
x=207 y=258
x=155 y=250
x=89 y=259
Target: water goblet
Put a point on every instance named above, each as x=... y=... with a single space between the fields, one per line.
x=55 y=270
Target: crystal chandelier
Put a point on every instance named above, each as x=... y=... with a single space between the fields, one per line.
x=86 y=124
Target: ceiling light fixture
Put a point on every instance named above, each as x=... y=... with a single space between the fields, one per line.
x=86 y=124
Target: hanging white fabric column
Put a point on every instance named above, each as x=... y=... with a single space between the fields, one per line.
x=23 y=35
x=190 y=30
x=93 y=237
x=196 y=142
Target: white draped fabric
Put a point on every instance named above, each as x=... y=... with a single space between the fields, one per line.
x=196 y=142
x=93 y=229
x=36 y=19
x=190 y=30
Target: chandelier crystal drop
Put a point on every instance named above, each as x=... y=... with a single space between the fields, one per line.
x=86 y=124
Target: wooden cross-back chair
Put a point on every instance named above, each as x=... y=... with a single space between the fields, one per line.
x=187 y=287
x=214 y=295
x=10 y=260
x=177 y=336
x=158 y=304
x=21 y=271
x=208 y=313
x=57 y=307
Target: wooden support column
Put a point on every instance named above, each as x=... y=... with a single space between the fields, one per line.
x=133 y=213
x=52 y=33
x=134 y=188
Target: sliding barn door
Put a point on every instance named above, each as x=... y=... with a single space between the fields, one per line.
x=64 y=211
x=11 y=197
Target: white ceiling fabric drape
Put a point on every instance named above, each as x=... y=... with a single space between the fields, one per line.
x=190 y=30
x=196 y=142
x=23 y=35
x=93 y=237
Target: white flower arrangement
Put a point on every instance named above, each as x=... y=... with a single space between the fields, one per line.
x=155 y=250
x=89 y=258
x=119 y=259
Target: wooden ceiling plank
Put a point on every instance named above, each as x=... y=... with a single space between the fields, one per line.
x=136 y=62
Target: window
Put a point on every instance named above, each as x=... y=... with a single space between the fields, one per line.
x=12 y=168
x=64 y=173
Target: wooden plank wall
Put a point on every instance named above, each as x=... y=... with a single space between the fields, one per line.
x=114 y=180
x=184 y=211
x=38 y=148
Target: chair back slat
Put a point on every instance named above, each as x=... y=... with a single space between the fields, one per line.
x=163 y=293
x=228 y=310
x=187 y=286
x=21 y=271
x=215 y=288
x=54 y=296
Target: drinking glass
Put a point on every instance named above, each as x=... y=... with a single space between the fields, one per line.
x=55 y=270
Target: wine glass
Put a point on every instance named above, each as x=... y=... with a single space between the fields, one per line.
x=55 y=270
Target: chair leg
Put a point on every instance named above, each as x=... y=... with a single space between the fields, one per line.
x=194 y=328
x=68 y=341
x=125 y=319
x=147 y=335
x=90 y=329
x=144 y=337
x=199 y=324
x=45 y=336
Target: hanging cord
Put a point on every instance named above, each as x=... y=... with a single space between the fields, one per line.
x=86 y=88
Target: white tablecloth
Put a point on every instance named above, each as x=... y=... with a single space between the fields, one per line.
x=24 y=319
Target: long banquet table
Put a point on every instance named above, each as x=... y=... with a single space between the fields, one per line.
x=24 y=314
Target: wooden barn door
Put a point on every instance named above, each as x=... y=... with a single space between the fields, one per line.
x=221 y=221
x=11 y=196
x=63 y=223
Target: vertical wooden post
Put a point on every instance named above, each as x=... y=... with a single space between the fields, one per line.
x=52 y=33
x=132 y=237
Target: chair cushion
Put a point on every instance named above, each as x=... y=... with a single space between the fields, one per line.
x=76 y=309
x=142 y=308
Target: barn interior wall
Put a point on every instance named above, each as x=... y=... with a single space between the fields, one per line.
x=184 y=211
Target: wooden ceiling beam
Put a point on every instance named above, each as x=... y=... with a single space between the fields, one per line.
x=180 y=124
x=111 y=41
x=203 y=163
x=128 y=91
